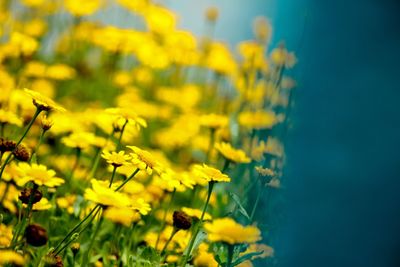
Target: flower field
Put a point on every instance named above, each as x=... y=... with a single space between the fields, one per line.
x=142 y=145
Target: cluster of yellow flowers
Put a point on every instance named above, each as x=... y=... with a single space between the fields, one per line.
x=137 y=144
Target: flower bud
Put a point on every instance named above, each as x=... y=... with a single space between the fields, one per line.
x=36 y=235
x=7 y=145
x=21 y=153
x=75 y=247
x=53 y=261
x=181 y=220
x=25 y=195
x=212 y=14
x=46 y=123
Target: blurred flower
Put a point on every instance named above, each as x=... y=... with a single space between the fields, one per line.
x=257 y=120
x=11 y=257
x=8 y=117
x=82 y=8
x=228 y=231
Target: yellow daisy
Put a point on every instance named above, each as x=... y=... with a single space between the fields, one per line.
x=43 y=102
x=144 y=160
x=232 y=154
x=210 y=174
x=39 y=174
x=116 y=159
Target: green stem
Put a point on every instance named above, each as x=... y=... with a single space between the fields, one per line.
x=75 y=228
x=226 y=165
x=96 y=162
x=120 y=135
x=112 y=176
x=96 y=231
x=28 y=127
x=34 y=154
x=231 y=249
x=165 y=217
x=128 y=179
x=259 y=192
x=197 y=229
x=27 y=216
x=72 y=239
x=97 y=156
x=169 y=240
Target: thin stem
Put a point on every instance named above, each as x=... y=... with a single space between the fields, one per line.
x=76 y=227
x=77 y=234
x=259 y=192
x=165 y=216
x=169 y=240
x=96 y=162
x=28 y=127
x=120 y=135
x=34 y=154
x=112 y=176
x=96 y=231
x=128 y=179
x=197 y=229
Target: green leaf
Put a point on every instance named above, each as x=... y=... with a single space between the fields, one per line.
x=246 y=257
x=242 y=210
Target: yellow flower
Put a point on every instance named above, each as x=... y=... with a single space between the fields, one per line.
x=127 y=115
x=210 y=174
x=220 y=59
x=100 y=193
x=205 y=259
x=8 y=117
x=116 y=159
x=6 y=235
x=60 y=72
x=43 y=102
x=228 y=231
x=67 y=203
x=196 y=213
x=258 y=120
x=82 y=8
x=81 y=140
x=144 y=160
x=43 y=204
x=232 y=154
x=124 y=216
x=10 y=256
x=39 y=174
x=214 y=121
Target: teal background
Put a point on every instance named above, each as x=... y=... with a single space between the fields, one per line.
x=342 y=197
